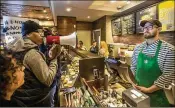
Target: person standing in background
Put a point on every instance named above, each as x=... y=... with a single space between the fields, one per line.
x=153 y=64
x=54 y=31
x=94 y=48
x=80 y=46
x=44 y=47
x=103 y=49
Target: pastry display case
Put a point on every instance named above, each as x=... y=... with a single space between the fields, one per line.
x=85 y=82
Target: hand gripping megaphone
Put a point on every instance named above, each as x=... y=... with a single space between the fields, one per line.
x=62 y=40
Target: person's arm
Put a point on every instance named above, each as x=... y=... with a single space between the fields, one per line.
x=168 y=71
x=151 y=89
x=38 y=66
x=134 y=60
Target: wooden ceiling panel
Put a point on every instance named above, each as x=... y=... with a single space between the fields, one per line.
x=26 y=11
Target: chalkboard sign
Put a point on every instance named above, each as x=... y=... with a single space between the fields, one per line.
x=166 y=15
x=148 y=13
x=116 y=27
x=128 y=24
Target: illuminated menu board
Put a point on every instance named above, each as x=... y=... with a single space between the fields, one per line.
x=128 y=24
x=148 y=13
x=116 y=27
x=166 y=15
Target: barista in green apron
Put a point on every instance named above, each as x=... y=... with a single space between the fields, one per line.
x=147 y=72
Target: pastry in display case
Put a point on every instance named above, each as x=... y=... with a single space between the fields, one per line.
x=84 y=82
x=69 y=76
x=78 y=97
x=106 y=98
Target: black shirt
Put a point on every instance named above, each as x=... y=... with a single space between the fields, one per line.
x=94 y=49
x=10 y=103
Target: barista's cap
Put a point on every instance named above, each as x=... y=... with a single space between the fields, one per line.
x=154 y=22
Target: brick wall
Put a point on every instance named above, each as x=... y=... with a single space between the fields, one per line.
x=138 y=38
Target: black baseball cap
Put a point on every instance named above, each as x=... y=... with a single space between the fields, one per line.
x=29 y=26
x=154 y=22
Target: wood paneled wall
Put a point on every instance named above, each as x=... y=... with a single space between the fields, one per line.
x=66 y=25
x=81 y=25
x=101 y=24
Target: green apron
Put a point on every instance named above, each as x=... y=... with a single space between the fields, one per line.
x=147 y=72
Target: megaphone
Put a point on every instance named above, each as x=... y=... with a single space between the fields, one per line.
x=62 y=40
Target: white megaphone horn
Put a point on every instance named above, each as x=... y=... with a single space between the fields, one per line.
x=62 y=40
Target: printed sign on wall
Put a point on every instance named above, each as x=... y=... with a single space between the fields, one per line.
x=166 y=15
x=12 y=30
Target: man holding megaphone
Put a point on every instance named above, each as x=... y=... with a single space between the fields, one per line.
x=39 y=86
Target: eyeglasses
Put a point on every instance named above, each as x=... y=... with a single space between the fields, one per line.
x=147 y=28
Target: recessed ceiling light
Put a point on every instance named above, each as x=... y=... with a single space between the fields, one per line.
x=68 y=9
x=128 y=2
x=19 y=15
x=44 y=11
x=88 y=17
x=112 y=1
x=119 y=7
x=47 y=17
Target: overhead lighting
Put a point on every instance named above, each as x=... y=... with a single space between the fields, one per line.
x=119 y=7
x=112 y=1
x=68 y=9
x=128 y=2
x=47 y=17
x=44 y=11
x=88 y=17
x=19 y=15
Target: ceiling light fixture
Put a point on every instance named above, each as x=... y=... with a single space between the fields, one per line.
x=119 y=7
x=44 y=11
x=112 y=1
x=88 y=17
x=47 y=17
x=68 y=9
x=19 y=15
x=128 y=2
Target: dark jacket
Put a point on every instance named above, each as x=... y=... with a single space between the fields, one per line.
x=12 y=103
x=94 y=49
x=38 y=76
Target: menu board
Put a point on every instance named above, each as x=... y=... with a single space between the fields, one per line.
x=146 y=14
x=166 y=15
x=116 y=27
x=128 y=24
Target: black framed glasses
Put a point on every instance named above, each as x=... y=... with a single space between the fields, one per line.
x=147 y=28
